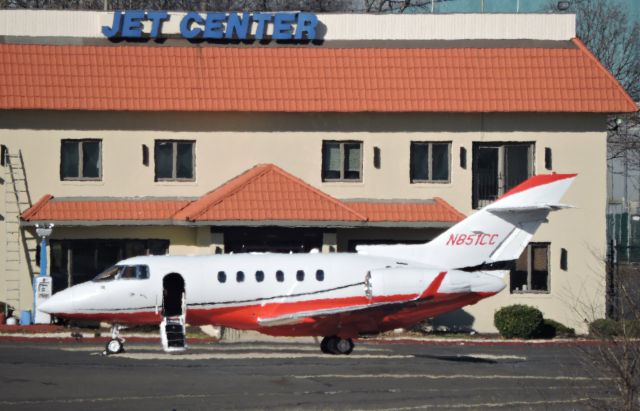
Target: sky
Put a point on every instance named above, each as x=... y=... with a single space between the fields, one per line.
x=509 y=6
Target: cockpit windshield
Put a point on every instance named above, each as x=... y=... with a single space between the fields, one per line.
x=109 y=274
x=139 y=272
x=126 y=272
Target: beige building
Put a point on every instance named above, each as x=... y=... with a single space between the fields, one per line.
x=388 y=129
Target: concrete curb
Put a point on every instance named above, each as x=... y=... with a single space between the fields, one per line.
x=488 y=342
x=141 y=337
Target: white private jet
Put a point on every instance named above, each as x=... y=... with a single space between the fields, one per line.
x=338 y=296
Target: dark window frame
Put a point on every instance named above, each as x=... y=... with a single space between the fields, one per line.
x=174 y=158
x=501 y=167
x=430 y=180
x=81 y=142
x=342 y=178
x=528 y=251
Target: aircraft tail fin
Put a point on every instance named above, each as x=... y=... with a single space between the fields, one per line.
x=498 y=232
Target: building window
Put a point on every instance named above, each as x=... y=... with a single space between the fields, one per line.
x=81 y=160
x=531 y=273
x=341 y=160
x=497 y=168
x=174 y=160
x=430 y=162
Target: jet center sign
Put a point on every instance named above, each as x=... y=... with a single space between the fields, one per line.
x=215 y=26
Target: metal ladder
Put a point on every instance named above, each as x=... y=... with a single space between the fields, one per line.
x=17 y=200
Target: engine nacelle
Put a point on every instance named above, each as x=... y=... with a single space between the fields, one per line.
x=409 y=283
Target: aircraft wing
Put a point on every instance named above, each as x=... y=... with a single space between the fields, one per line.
x=316 y=315
x=313 y=316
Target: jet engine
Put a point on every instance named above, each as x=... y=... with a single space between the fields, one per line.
x=397 y=281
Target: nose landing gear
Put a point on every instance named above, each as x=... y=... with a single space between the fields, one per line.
x=116 y=344
x=336 y=345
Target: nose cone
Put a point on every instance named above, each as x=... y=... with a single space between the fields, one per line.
x=59 y=303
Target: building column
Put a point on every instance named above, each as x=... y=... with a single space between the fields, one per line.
x=217 y=242
x=329 y=242
x=209 y=242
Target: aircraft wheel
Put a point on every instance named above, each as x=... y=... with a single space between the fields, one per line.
x=332 y=345
x=114 y=346
x=324 y=345
x=344 y=346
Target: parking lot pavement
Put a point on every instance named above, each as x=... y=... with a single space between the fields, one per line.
x=295 y=376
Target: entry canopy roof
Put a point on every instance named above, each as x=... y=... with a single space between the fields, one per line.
x=559 y=76
x=263 y=195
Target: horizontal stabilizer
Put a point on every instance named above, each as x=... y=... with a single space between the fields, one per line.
x=531 y=207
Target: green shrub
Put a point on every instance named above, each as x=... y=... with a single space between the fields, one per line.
x=551 y=329
x=605 y=328
x=518 y=321
x=633 y=328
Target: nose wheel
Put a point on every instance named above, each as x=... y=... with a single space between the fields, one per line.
x=336 y=345
x=116 y=344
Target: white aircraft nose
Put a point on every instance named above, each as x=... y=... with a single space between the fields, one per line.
x=59 y=303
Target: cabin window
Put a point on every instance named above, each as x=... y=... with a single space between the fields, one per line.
x=279 y=276
x=320 y=275
x=240 y=276
x=259 y=276
x=300 y=275
x=222 y=277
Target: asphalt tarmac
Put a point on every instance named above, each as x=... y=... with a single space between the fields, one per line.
x=407 y=376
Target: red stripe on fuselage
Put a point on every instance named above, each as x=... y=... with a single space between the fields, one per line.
x=249 y=312
x=246 y=317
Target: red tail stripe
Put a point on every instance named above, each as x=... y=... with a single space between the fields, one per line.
x=536 y=181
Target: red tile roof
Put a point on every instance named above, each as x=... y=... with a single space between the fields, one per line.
x=49 y=208
x=264 y=193
x=437 y=210
x=307 y=79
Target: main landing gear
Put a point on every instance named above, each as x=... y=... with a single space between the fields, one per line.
x=336 y=345
x=116 y=344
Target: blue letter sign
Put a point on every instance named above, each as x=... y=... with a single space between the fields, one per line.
x=216 y=26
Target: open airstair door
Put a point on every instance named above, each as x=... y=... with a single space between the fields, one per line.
x=174 y=311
